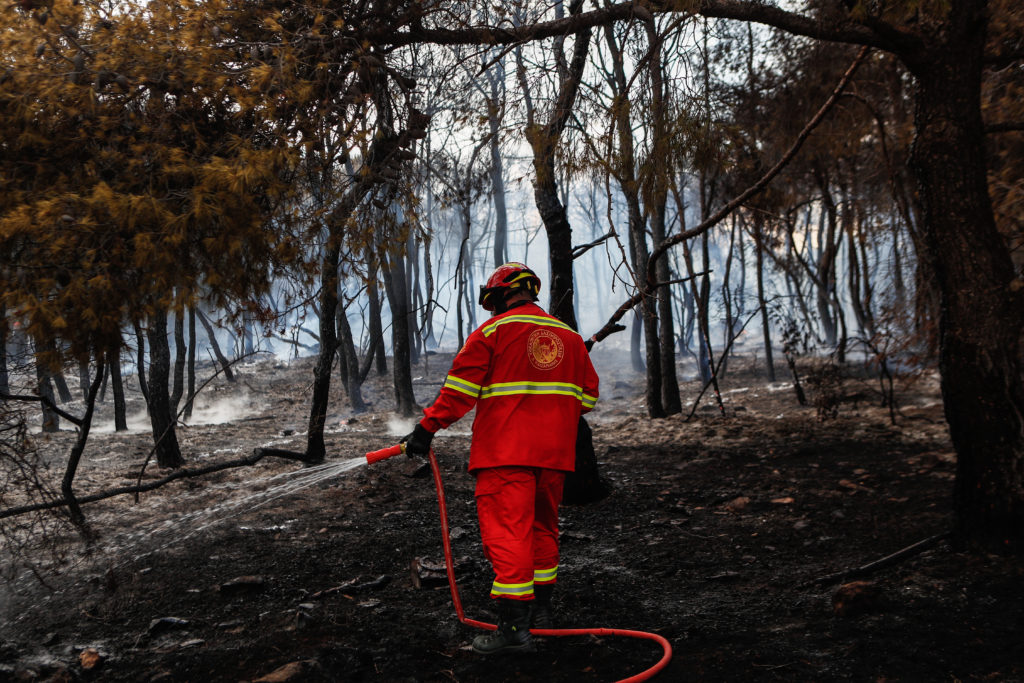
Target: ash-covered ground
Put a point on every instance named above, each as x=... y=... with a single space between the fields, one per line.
x=720 y=534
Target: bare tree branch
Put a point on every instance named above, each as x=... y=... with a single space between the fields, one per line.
x=842 y=30
x=32 y=398
x=736 y=202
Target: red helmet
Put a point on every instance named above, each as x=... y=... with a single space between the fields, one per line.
x=506 y=280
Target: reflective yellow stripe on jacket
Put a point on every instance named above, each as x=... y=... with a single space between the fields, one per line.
x=550 y=388
x=534 y=319
x=462 y=386
x=514 y=388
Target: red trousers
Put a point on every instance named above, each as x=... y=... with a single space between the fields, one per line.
x=518 y=512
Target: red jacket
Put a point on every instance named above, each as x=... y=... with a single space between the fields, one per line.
x=531 y=378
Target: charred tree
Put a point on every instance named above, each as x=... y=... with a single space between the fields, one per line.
x=178 y=386
x=760 y=247
x=76 y=451
x=211 y=336
x=161 y=414
x=316 y=450
x=980 y=321
x=544 y=139
x=113 y=363
x=639 y=253
x=376 y=350
x=657 y=177
x=83 y=378
x=393 y=270
x=495 y=111
x=51 y=421
x=5 y=383
x=348 y=362
x=190 y=364
x=140 y=362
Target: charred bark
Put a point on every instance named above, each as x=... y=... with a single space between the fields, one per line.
x=658 y=179
x=766 y=330
x=376 y=350
x=316 y=450
x=76 y=451
x=349 y=362
x=211 y=335
x=113 y=362
x=161 y=416
x=394 y=284
x=190 y=366
x=980 y=316
x=140 y=362
x=543 y=141
x=178 y=386
x=51 y=420
x=5 y=384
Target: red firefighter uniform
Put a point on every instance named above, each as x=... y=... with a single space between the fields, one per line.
x=530 y=377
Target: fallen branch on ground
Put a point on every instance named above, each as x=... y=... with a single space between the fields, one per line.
x=887 y=561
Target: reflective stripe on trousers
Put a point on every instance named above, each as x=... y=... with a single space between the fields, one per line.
x=518 y=513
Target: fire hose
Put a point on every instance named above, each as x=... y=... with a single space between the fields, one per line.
x=377 y=456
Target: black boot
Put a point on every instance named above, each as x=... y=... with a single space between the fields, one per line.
x=513 y=634
x=540 y=617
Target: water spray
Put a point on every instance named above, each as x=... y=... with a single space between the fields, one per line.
x=385 y=453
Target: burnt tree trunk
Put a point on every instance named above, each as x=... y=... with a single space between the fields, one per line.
x=766 y=329
x=83 y=378
x=349 y=362
x=316 y=450
x=980 y=318
x=75 y=456
x=51 y=421
x=543 y=141
x=495 y=111
x=140 y=364
x=638 y=250
x=161 y=414
x=826 y=263
x=61 y=383
x=401 y=317
x=117 y=386
x=211 y=335
x=178 y=387
x=5 y=383
x=376 y=350
x=670 y=401
x=190 y=366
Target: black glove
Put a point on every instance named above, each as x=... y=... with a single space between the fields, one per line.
x=417 y=444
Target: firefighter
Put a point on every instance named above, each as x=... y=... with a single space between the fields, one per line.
x=530 y=377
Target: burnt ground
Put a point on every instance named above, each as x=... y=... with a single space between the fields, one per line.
x=715 y=535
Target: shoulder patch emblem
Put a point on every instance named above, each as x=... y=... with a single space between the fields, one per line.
x=544 y=349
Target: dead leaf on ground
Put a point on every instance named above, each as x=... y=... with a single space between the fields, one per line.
x=737 y=504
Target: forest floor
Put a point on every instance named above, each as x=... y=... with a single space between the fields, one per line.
x=719 y=534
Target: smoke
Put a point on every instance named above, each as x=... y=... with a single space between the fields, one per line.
x=212 y=412
x=222 y=410
x=400 y=426
x=137 y=422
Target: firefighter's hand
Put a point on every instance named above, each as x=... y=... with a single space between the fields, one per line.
x=417 y=444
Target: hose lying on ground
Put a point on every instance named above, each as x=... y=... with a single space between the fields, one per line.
x=376 y=456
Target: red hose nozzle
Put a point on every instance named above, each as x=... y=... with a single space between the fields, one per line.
x=384 y=453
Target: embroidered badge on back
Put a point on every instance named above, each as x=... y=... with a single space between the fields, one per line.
x=544 y=349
